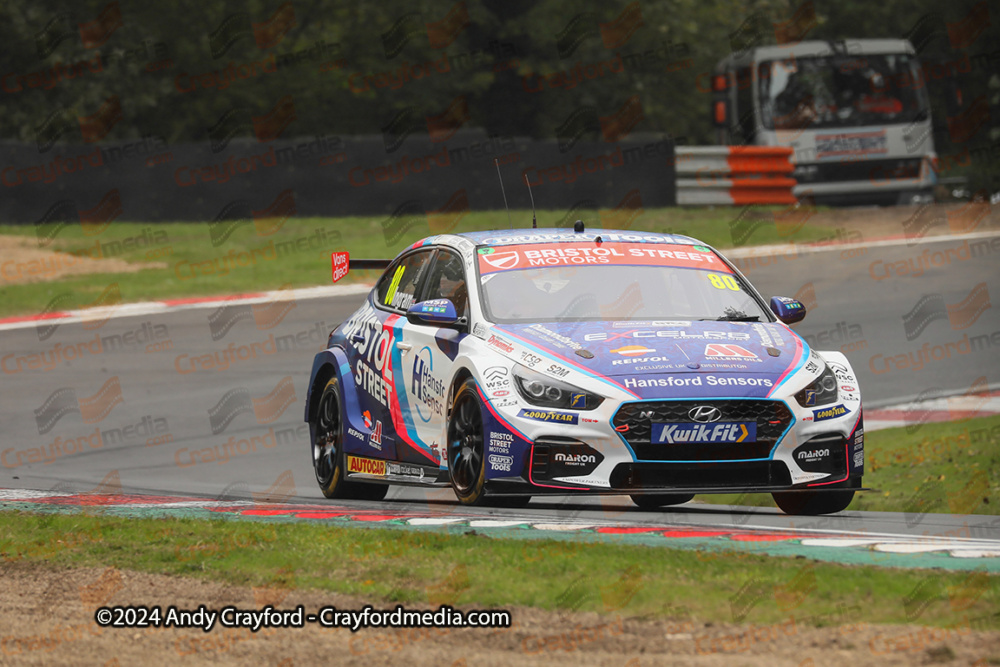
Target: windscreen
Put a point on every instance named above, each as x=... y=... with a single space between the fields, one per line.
x=840 y=91
x=611 y=281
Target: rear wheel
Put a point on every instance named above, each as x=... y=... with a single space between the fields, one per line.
x=328 y=453
x=658 y=500
x=810 y=503
x=466 y=446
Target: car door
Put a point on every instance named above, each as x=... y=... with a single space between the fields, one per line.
x=374 y=353
x=427 y=358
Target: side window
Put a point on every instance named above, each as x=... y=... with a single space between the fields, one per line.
x=398 y=286
x=447 y=281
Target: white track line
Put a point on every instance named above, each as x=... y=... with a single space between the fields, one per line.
x=145 y=308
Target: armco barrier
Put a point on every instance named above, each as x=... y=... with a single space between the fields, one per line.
x=734 y=175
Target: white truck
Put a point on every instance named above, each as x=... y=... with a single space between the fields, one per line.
x=856 y=114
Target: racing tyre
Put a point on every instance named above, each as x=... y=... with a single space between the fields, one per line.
x=812 y=503
x=467 y=447
x=658 y=500
x=328 y=453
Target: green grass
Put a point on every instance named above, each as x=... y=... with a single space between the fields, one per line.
x=422 y=567
x=945 y=467
x=181 y=244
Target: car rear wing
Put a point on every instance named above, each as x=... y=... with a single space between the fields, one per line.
x=341 y=263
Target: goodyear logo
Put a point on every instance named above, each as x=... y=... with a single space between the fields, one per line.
x=356 y=464
x=830 y=413
x=721 y=432
x=548 y=416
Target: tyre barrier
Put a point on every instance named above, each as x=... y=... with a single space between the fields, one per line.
x=734 y=175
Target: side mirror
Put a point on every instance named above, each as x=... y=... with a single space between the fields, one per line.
x=788 y=310
x=440 y=312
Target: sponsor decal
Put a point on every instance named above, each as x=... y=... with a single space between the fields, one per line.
x=578 y=401
x=847 y=387
x=812 y=367
x=356 y=464
x=500 y=393
x=553 y=337
x=548 y=416
x=501 y=442
x=608 y=253
x=672 y=334
x=367 y=416
x=841 y=371
x=501 y=463
x=542 y=237
x=574 y=459
x=557 y=370
x=729 y=432
x=507 y=259
x=496 y=378
x=830 y=413
x=633 y=350
x=500 y=344
x=646 y=360
x=355 y=433
x=728 y=351
x=854 y=144
x=404 y=470
x=373 y=370
x=633 y=323
x=530 y=359
x=375 y=440
x=811 y=455
x=479 y=331
x=698 y=381
x=859 y=459
x=427 y=390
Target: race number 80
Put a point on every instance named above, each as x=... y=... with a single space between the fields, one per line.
x=723 y=282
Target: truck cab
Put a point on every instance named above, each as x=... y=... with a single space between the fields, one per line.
x=856 y=114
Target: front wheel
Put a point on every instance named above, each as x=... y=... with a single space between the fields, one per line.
x=328 y=453
x=811 y=503
x=657 y=500
x=467 y=447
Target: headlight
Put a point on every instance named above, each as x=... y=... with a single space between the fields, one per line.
x=820 y=392
x=547 y=392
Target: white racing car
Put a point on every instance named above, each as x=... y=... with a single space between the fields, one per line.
x=516 y=364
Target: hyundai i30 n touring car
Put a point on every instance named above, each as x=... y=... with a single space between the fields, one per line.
x=527 y=362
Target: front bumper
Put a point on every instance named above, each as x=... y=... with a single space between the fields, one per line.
x=616 y=456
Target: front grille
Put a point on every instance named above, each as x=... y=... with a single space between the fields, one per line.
x=751 y=474
x=772 y=418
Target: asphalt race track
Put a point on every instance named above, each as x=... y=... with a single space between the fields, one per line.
x=144 y=439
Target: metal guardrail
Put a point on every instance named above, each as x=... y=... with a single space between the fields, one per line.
x=734 y=175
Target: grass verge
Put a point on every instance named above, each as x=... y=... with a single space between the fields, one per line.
x=417 y=567
x=268 y=255
x=940 y=467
